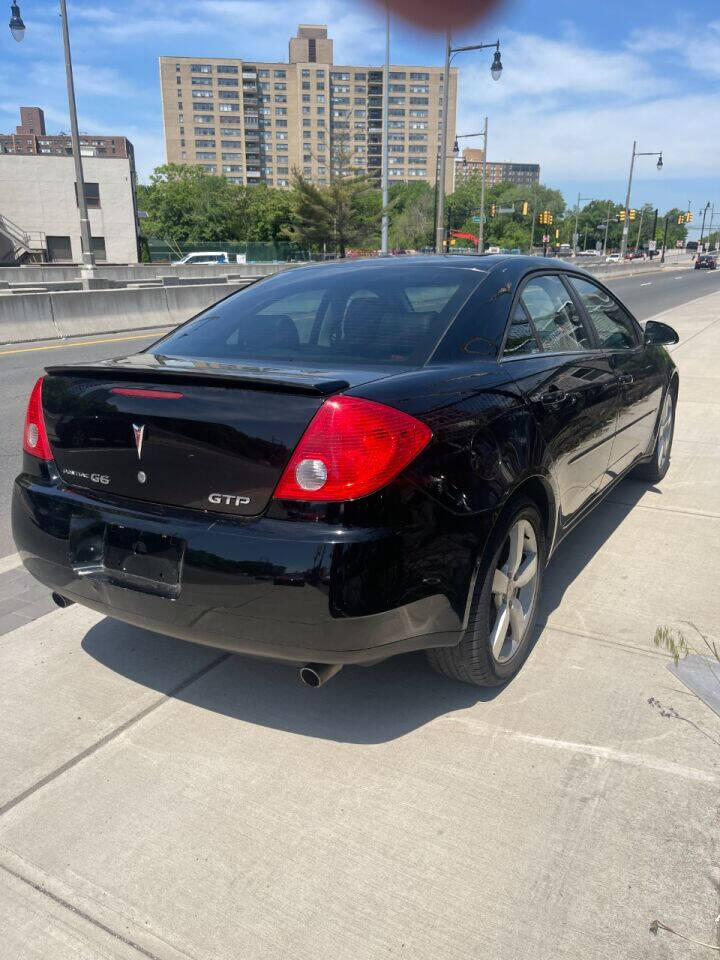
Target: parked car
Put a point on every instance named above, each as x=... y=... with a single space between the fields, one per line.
x=212 y=256
x=347 y=461
x=705 y=261
x=612 y=258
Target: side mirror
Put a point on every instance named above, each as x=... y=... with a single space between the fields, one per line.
x=660 y=333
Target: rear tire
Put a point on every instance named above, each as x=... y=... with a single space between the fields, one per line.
x=656 y=468
x=504 y=606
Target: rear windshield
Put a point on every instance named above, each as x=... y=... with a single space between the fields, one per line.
x=334 y=314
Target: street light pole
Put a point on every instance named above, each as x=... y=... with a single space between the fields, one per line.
x=86 y=241
x=385 y=103
x=496 y=71
x=440 y=212
x=662 y=258
x=626 y=222
x=481 y=231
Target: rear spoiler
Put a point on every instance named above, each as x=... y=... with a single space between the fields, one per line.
x=244 y=380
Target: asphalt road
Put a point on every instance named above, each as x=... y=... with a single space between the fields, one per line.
x=646 y=294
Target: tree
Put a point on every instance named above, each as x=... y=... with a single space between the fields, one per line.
x=343 y=214
x=184 y=204
x=412 y=209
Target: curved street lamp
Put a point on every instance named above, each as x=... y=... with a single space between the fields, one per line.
x=496 y=70
x=626 y=222
x=17 y=27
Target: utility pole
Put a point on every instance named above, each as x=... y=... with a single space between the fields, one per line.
x=607 y=225
x=662 y=258
x=702 y=228
x=637 y=242
x=481 y=231
x=385 y=103
x=532 y=227
x=654 y=231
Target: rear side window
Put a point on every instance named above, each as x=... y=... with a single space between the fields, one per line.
x=331 y=314
x=554 y=315
x=521 y=337
x=613 y=326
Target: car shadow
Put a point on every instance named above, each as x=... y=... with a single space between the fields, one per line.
x=360 y=705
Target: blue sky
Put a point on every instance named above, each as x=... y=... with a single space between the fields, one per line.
x=581 y=80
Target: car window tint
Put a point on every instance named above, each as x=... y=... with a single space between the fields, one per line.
x=331 y=314
x=521 y=336
x=614 y=327
x=556 y=319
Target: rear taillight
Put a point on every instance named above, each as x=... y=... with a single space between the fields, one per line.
x=35 y=438
x=351 y=448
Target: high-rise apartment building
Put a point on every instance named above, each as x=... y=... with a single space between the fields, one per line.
x=253 y=121
x=518 y=173
x=30 y=137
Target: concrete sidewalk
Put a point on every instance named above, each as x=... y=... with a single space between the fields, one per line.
x=167 y=801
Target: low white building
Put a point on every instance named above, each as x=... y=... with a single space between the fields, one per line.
x=38 y=201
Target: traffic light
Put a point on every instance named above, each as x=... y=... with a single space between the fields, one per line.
x=493 y=210
x=633 y=214
x=681 y=218
x=525 y=208
x=549 y=218
x=621 y=216
x=557 y=233
x=545 y=217
x=688 y=217
x=541 y=216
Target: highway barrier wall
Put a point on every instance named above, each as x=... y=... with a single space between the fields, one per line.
x=42 y=316
x=41 y=272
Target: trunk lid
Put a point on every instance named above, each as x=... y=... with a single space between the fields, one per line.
x=196 y=434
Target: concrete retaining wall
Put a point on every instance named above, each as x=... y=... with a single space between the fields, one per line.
x=42 y=316
x=33 y=273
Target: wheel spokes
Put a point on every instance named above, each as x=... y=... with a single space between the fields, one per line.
x=500 y=582
x=517 y=542
x=527 y=571
x=517 y=621
x=500 y=630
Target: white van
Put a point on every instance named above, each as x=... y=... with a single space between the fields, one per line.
x=210 y=256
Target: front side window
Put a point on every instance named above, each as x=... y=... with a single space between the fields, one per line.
x=554 y=315
x=613 y=326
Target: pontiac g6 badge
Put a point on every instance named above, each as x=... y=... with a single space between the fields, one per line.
x=139 y=433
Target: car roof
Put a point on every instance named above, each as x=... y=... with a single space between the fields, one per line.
x=485 y=262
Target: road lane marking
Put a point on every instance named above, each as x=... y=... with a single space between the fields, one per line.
x=10 y=562
x=648 y=283
x=84 y=343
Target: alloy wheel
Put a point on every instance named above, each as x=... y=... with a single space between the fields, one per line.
x=514 y=591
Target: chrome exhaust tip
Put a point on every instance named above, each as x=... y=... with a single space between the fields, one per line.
x=62 y=601
x=316 y=674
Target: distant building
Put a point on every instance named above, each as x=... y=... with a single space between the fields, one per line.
x=39 y=217
x=470 y=165
x=255 y=121
x=30 y=137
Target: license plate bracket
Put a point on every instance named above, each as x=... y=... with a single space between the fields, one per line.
x=143 y=560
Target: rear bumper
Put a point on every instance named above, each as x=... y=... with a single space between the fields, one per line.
x=269 y=588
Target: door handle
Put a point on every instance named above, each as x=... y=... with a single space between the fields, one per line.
x=626 y=378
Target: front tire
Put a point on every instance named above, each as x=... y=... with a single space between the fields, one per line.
x=504 y=606
x=656 y=468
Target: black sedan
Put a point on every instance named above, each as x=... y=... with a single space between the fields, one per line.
x=347 y=461
x=705 y=261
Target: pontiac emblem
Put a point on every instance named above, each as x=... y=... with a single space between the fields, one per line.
x=139 y=436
